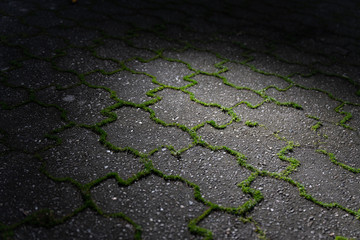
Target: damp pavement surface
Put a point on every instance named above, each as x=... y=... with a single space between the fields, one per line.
x=179 y=119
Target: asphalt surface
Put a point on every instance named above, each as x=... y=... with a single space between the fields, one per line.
x=179 y=119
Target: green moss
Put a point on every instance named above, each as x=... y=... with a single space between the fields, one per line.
x=43 y=218
x=313 y=117
x=291 y=104
x=316 y=126
x=251 y=124
x=260 y=233
x=193 y=228
x=343 y=238
x=335 y=161
x=46 y=218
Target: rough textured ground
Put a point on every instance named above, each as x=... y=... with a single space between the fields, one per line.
x=179 y=119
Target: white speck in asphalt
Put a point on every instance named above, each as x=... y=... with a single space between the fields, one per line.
x=69 y=98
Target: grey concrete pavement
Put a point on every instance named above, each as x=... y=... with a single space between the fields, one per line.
x=179 y=119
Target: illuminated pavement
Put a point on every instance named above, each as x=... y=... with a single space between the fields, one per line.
x=179 y=120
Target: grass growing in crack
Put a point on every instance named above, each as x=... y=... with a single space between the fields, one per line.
x=45 y=216
x=294 y=163
x=194 y=228
x=343 y=238
x=313 y=117
x=251 y=124
x=316 y=126
x=335 y=161
x=347 y=117
x=260 y=233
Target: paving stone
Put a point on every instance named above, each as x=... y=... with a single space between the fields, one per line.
x=86 y=159
x=344 y=66
x=116 y=49
x=128 y=86
x=151 y=41
x=328 y=182
x=344 y=145
x=314 y=103
x=82 y=104
x=86 y=225
x=228 y=96
x=224 y=226
x=186 y=112
x=216 y=173
x=271 y=64
x=76 y=36
x=165 y=15
x=112 y=28
x=12 y=27
x=293 y=55
x=37 y=74
x=42 y=46
x=141 y=133
x=161 y=207
x=246 y=141
x=7 y=55
x=284 y=213
x=11 y=96
x=179 y=119
x=25 y=190
x=80 y=13
x=354 y=111
x=46 y=19
x=226 y=47
x=137 y=18
x=174 y=77
x=83 y=61
x=28 y=125
x=337 y=87
x=206 y=61
x=251 y=79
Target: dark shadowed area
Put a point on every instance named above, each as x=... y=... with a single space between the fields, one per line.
x=160 y=119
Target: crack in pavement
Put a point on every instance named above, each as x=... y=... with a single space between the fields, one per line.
x=179 y=120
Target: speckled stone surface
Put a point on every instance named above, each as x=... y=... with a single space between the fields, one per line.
x=160 y=119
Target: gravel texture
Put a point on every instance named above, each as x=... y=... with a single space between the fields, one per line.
x=160 y=119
